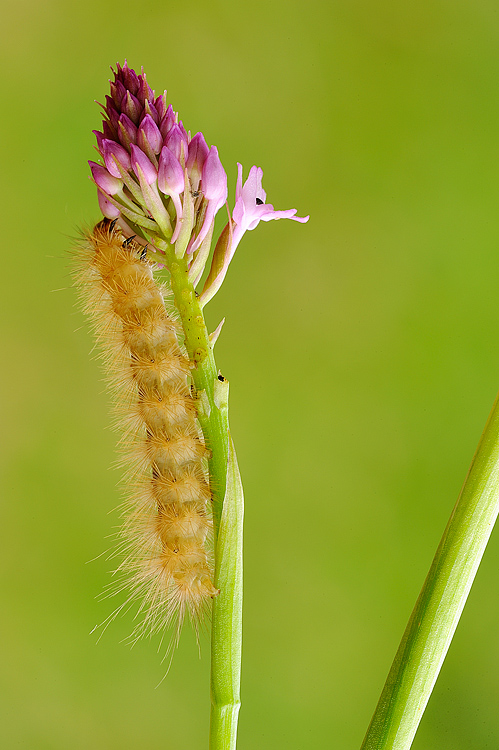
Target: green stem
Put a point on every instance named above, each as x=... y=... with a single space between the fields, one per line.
x=225 y=482
x=437 y=611
x=213 y=420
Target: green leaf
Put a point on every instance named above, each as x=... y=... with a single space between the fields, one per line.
x=437 y=611
x=227 y=614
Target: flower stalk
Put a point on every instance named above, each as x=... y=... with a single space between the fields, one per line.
x=437 y=611
x=213 y=420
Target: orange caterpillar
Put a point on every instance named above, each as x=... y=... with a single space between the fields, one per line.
x=167 y=524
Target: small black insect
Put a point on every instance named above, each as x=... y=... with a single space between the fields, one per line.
x=128 y=240
x=259 y=202
x=143 y=253
x=113 y=224
x=221 y=378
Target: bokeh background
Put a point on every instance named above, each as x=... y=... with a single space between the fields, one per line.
x=362 y=351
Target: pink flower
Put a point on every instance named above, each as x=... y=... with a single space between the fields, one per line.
x=251 y=209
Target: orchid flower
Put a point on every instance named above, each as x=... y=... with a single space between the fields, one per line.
x=166 y=188
x=250 y=209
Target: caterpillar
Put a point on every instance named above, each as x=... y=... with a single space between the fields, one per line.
x=167 y=525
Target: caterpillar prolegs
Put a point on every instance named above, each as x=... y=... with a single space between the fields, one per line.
x=167 y=523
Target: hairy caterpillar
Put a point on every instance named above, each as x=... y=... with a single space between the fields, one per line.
x=167 y=524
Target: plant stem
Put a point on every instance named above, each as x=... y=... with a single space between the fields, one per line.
x=213 y=420
x=225 y=483
x=437 y=611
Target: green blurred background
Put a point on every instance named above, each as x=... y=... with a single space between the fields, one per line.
x=362 y=351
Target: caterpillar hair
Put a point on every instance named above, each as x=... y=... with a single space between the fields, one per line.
x=166 y=532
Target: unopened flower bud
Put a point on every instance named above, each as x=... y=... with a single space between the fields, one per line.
x=198 y=151
x=171 y=182
x=170 y=173
x=183 y=131
x=142 y=166
x=118 y=91
x=110 y=106
x=150 y=109
x=214 y=184
x=107 y=208
x=160 y=104
x=148 y=136
x=214 y=178
x=108 y=131
x=167 y=122
x=145 y=91
x=131 y=107
x=127 y=131
x=100 y=138
x=111 y=151
x=104 y=180
x=174 y=141
x=113 y=116
x=129 y=78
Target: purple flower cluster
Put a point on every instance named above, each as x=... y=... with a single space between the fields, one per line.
x=164 y=186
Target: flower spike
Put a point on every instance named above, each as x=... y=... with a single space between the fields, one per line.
x=165 y=187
